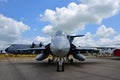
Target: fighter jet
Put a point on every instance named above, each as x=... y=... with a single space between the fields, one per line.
x=60 y=48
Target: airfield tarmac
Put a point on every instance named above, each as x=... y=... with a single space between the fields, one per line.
x=29 y=69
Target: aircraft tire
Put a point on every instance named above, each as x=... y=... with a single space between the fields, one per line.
x=71 y=60
x=49 y=61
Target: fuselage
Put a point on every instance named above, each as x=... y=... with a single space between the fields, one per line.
x=17 y=48
x=60 y=45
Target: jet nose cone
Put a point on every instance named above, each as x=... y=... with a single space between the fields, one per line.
x=59 y=47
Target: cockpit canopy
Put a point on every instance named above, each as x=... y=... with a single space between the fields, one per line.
x=60 y=33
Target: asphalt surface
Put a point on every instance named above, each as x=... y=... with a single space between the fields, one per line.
x=29 y=69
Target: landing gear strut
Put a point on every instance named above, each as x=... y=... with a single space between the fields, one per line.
x=60 y=65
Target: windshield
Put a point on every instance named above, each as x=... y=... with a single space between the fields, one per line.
x=60 y=33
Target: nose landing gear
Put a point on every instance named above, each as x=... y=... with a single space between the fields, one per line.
x=60 y=65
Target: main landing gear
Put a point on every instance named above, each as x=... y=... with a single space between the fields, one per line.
x=71 y=60
x=49 y=61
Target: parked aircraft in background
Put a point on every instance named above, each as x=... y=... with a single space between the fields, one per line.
x=18 y=48
x=116 y=51
x=61 y=47
x=111 y=51
x=106 y=50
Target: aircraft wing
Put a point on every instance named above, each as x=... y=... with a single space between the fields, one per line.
x=103 y=47
x=33 y=49
x=87 y=50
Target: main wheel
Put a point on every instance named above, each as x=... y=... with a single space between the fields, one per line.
x=71 y=60
x=49 y=61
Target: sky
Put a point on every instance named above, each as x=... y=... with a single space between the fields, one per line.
x=27 y=21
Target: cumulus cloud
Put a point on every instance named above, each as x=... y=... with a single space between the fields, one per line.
x=10 y=29
x=108 y=41
x=87 y=40
x=42 y=39
x=74 y=17
x=103 y=31
x=48 y=29
x=104 y=36
x=117 y=39
x=105 y=42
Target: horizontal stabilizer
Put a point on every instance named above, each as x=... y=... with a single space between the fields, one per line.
x=71 y=38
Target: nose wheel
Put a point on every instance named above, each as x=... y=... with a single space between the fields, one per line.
x=60 y=65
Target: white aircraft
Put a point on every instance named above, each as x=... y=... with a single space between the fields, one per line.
x=61 y=47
